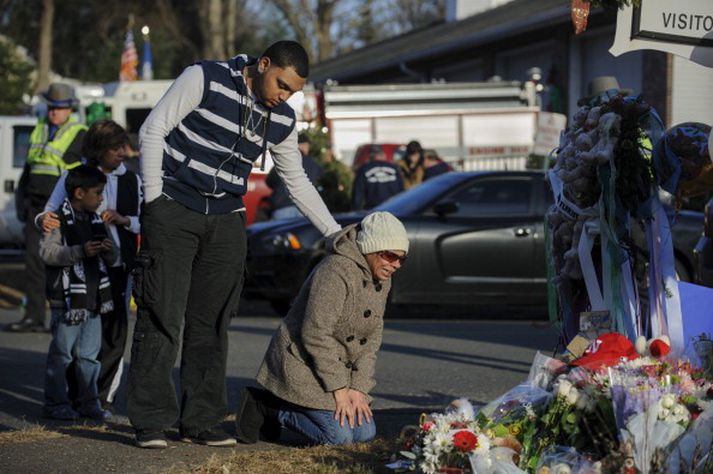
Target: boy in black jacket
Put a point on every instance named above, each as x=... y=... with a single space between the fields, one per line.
x=77 y=255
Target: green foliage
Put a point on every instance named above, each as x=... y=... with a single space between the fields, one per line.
x=88 y=37
x=335 y=185
x=14 y=78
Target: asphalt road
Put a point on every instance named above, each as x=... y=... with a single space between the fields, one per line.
x=423 y=365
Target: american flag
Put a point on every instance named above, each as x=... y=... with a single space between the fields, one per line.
x=129 y=59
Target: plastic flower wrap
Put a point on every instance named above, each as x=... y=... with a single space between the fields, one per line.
x=654 y=404
x=565 y=460
x=693 y=451
x=544 y=370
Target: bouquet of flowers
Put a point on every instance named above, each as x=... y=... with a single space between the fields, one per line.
x=655 y=402
x=454 y=442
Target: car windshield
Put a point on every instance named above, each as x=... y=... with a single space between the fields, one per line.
x=413 y=200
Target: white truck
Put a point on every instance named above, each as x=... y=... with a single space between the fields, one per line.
x=483 y=125
x=14 y=138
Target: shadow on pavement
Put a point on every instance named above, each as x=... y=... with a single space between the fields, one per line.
x=450 y=356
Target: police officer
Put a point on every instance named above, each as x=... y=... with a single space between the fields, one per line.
x=55 y=146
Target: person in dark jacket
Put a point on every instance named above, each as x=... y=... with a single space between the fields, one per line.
x=434 y=165
x=375 y=181
x=55 y=146
x=280 y=202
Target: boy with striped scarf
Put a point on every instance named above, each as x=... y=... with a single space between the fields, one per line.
x=77 y=255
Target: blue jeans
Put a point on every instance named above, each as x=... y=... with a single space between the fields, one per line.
x=320 y=427
x=80 y=343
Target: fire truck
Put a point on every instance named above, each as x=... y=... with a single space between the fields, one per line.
x=472 y=125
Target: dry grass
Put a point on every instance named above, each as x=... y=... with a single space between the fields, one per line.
x=29 y=434
x=354 y=459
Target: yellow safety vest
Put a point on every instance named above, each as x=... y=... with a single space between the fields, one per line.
x=46 y=157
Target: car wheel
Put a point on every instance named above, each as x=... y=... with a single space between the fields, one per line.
x=281 y=305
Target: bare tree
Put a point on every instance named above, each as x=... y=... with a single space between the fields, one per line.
x=45 y=52
x=405 y=15
x=311 y=21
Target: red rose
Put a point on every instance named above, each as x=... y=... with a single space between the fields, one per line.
x=426 y=426
x=465 y=441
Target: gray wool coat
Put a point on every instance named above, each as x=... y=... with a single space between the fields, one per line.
x=331 y=335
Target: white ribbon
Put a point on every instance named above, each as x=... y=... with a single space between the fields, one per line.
x=665 y=301
x=584 y=251
x=603 y=300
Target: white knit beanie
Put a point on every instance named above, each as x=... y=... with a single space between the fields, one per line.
x=381 y=231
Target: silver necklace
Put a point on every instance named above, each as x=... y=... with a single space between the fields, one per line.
x=250 y=123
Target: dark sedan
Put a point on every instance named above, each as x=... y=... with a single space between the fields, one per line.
x=477 y=240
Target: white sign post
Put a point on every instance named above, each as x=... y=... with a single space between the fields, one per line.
x=681 y=27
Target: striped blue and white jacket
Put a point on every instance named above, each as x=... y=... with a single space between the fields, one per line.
x=208 y=156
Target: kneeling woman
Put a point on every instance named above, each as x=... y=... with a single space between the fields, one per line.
x=319 y=367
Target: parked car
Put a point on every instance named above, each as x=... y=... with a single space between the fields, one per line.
x=477 y=240
x=704 y=249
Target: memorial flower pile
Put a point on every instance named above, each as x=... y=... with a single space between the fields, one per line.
x=635 y=414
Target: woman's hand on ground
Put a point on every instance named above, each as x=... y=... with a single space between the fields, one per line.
x=345 y=408
x=361 y=406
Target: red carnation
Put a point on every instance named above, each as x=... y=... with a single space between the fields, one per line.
x=426 y=426
x=465 y=441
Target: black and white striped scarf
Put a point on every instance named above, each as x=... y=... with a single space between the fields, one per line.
x=77 y=279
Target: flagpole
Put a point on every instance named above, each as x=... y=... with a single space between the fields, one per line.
x=147 y=64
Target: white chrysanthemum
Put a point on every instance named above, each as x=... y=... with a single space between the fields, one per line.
x=428 y=468
x=443 y=427
x=483 y=445
x=442 y=442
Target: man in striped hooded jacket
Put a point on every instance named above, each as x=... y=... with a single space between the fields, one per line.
x=198 y=147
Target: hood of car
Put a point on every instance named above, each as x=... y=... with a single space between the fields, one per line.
x=292 y=225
